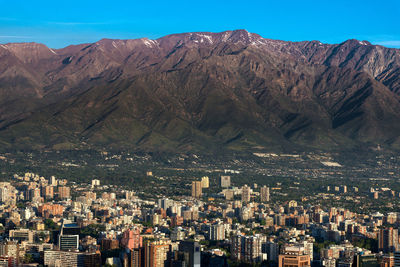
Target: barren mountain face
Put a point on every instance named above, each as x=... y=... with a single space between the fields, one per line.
x=199 y=92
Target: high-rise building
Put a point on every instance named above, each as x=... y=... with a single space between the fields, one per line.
x=176 y=259
x=196 y=189
x=57 y=258
x=92 y=259
x=90 y=196
x=247 y=248
x=225 y=181
x=53 y=181
x=27 y=213
x=50 y=209
x=343 y=189
x=177 y=234
x=245 y=213
x=95 y=182
x=388 y=240
x=64 y=192
x=294 y=256
x=272 y=250
x=131 y=239
x=390 y=218
x=155 y=253
x=129 y=195
x=47 y=192
x=229 y=194
x=4 y=194
x=217 y=232
x=246 y=193
x=388 y=261
x=7 y=261
x=33 y=194
x=137 y=257
x=292 y=204
x=165 y=203
x=109 y=244
x=21 y=235
x=191 y=251
x=264 y=194
x=12 y=250
x=397 y=259
x=68 y=238
x=156 y=219
x=308 y=248
x=68 y=242
x=205 y=182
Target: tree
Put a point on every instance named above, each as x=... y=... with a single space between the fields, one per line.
x=28 y=258
x=49 y=224
x=93 y=230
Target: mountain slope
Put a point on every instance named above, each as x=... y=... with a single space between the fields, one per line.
x=200 y=92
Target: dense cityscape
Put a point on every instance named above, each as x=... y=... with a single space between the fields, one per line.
x=212 y=221
x=199 y=133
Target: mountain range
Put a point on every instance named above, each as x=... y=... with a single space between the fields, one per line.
x=200 y=91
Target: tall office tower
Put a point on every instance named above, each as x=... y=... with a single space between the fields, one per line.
x=247 y=248
x=68 y=238
x=68 y=242
x=389 y=240
x=192 y=252
x=64 y=192
x=225 y=181
x=155 y=253
x=245 y=193
x=217 y=232
x=196 y=189
x=264 y=194
x=205 y=182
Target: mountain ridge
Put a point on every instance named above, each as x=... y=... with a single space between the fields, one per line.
x=232 y=90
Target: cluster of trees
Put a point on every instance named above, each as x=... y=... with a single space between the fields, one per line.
x=92 y=230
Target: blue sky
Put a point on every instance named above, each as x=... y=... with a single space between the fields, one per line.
x=60 y=23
